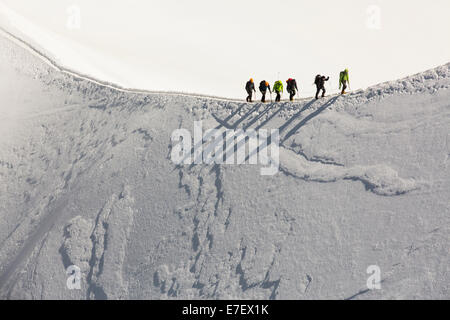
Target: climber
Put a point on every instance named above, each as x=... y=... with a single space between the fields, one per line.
x=291 y=88
x=320 y=84
x=278 y=89
x=344 y=81
x=263 y=86
x=250 y=87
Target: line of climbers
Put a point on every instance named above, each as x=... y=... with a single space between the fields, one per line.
x=292 y=88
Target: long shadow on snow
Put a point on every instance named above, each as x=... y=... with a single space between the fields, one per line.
x=281 y=129
x=307 y=118
x=298 y=126
x=251 y=122
x=224 y=123
x=269 y=118
x=305 y=107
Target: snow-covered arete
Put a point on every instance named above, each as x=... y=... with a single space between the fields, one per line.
x=86 y=180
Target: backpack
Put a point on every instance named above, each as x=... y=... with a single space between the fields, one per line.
x=278 y=86
x=343 y=76
x=316 y=82
x=262 y=86
x=291 y=84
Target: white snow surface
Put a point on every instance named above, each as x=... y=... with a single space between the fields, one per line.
x=86 y=179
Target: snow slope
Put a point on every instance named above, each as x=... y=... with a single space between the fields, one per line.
x=86 y=179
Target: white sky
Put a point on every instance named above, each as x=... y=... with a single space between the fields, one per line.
x=214 y=47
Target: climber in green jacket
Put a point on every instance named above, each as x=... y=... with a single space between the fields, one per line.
x=344 y=80
x=278 y=89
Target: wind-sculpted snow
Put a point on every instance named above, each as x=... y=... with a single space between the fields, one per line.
x=87 y=183
x=379 y=179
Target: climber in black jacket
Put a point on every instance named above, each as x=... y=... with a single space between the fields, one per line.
x=250 y=87
x=320 y=84
x=291 y=88
x=263 y=86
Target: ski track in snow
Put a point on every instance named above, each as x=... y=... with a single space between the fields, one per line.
x=98 y=242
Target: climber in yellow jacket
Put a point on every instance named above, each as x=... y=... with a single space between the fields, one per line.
x=278 y=89
x=344 y=81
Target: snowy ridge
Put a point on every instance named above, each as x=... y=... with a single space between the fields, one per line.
x=86 y=179
x=75 y=74
x=408 y=85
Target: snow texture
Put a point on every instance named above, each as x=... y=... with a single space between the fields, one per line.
x=86 y=179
